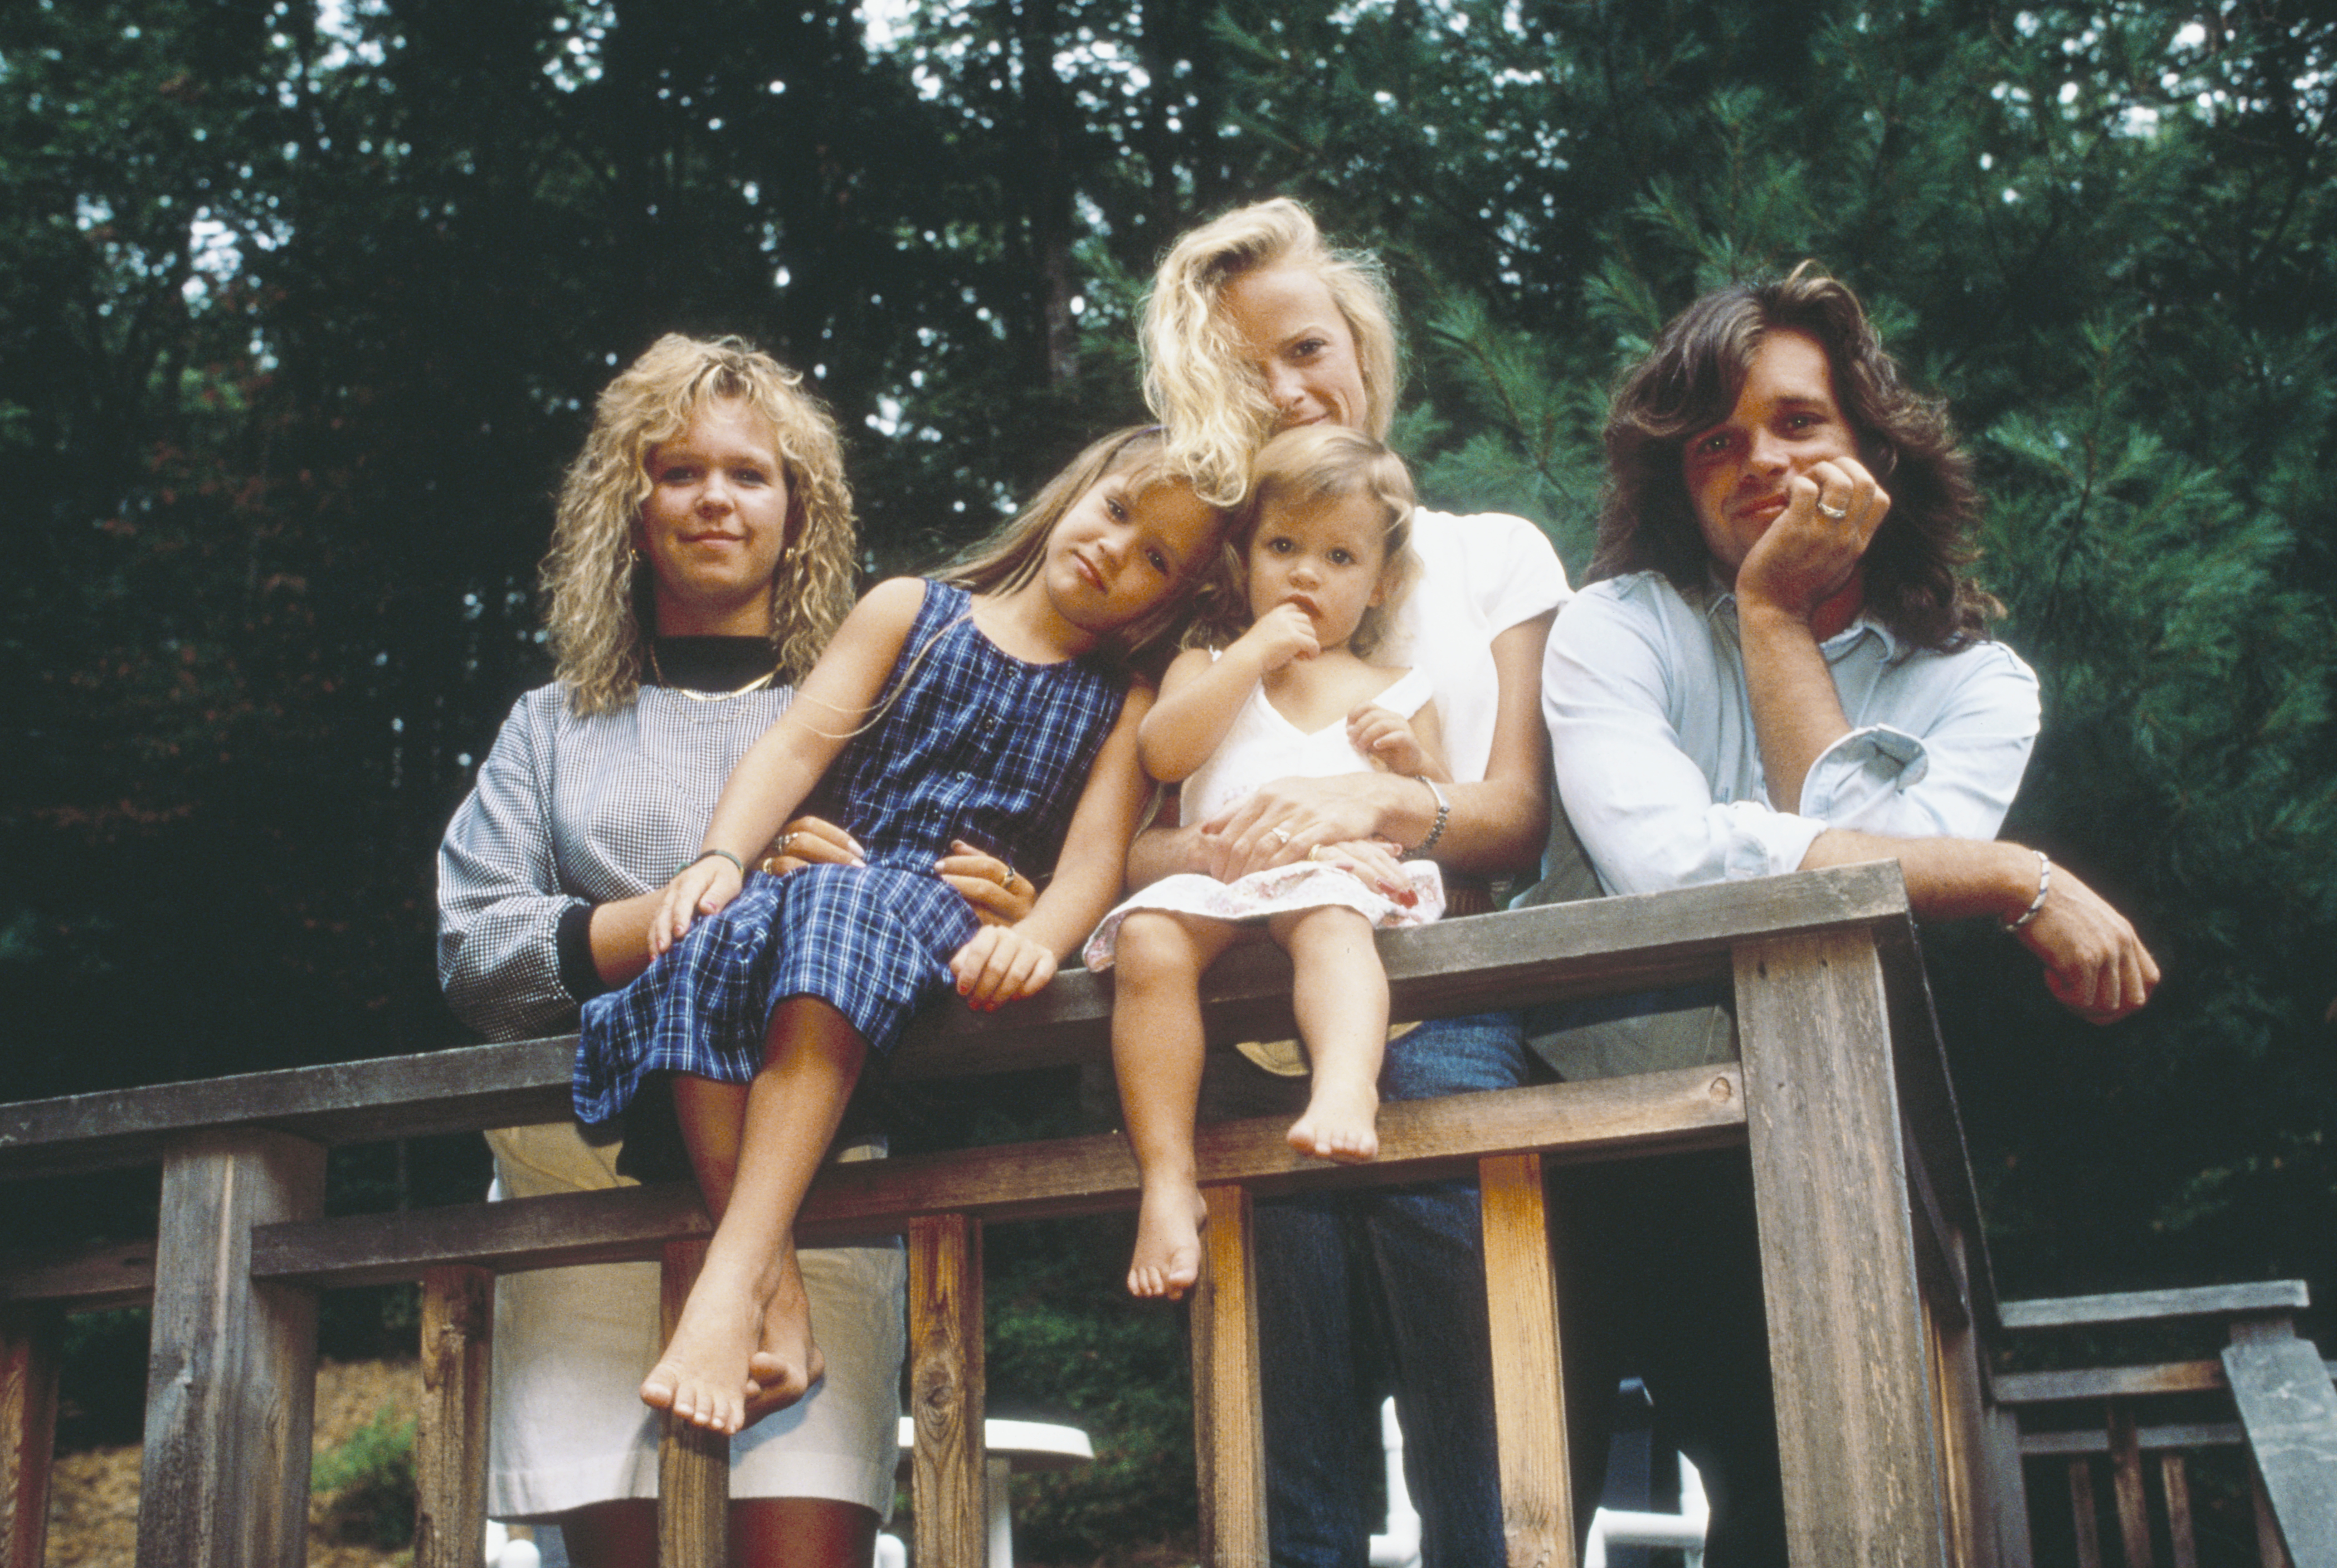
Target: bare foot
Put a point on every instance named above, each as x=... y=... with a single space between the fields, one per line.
x=1169 y=1223
x=786 y=1362
x=1341 y=1123
x=702 y=1376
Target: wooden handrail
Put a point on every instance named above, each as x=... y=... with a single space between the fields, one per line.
x=1843 y=1096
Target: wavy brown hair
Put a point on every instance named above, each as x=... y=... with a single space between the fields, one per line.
x=1013 y=555
x=602 y=594
x=1197 y=376
x=1917 y=579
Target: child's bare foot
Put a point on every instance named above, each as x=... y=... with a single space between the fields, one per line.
x=1169 y=1223
x=1341 y=1123
x=702 y=1376
x=786 y=1362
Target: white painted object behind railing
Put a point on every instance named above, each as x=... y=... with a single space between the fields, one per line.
x=1400 y=1547
x=1625 y=1527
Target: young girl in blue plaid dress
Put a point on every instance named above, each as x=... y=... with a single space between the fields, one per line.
x=989 y=707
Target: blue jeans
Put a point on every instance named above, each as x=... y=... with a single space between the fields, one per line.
x=1359 y=1289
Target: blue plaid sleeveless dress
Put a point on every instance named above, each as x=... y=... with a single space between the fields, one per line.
x=968 y=743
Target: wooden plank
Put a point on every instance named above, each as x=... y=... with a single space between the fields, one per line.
x=86 y=1280
x=2125 y=1488
x=2109 y=1382
x=1598 y=948
x=1228 y=1421
x=2149 y=1306
x=945 y=1389
x=231 y=1363
x=1960 y=1410
x=450 y=1440
x=1690 y=1108
x=1529 y=1387
x=31 y=1347
x=1846 y=1345
x=2007 y=1491
x=2290 y=1411
x=2081 y=1513
x=2153 y=1439
x=2269 y=1551
x=693 y=1461
x=2182 y=1543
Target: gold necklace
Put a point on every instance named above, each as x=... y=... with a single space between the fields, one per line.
x=757 y=684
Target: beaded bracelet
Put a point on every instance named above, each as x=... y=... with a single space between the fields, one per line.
x=708 y=855
x=1436 y=829
x=2044 y=882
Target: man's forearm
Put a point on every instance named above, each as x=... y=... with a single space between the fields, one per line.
x=1796 y=711
x=1947 y=878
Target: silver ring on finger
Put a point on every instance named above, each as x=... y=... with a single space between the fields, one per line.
x=1836 y=512
x=1277 y=838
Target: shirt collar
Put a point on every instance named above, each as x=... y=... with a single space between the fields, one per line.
x=1718 y=595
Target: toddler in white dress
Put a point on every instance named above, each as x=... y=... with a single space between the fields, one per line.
x=1324 y=547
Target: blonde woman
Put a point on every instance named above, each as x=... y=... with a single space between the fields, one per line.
x=701 y=558
x=1255 y=325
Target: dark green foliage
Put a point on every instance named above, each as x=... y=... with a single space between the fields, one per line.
x=370 y=1480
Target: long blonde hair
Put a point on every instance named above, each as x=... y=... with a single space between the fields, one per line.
x=602 y=594
x=1013 y=555
x=1197 y=376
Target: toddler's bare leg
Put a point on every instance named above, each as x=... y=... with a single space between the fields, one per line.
x=1156 y=1054
x=1341 y=997
x=749 y=1302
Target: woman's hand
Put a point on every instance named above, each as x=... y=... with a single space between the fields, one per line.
x=810 y=841
x=700 y=888
x=1286 y=818
x=2094 y=962
x=1386 y=737
x=1000 y=895
x=1000 y=966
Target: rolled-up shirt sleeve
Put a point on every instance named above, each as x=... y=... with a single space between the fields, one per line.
x=500 y=904
x=1658 y=767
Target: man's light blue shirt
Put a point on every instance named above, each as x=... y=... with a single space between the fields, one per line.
x=1660 y=769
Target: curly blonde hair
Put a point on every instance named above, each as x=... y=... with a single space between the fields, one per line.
x=1197 y=378
x=1318 y=463
x=602 y=604
x=1013 y=555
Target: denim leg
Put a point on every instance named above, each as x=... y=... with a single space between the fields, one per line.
x=1322 y=1432
x=1414 y=1257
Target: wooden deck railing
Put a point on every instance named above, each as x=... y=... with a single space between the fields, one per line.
x=1877 y=1287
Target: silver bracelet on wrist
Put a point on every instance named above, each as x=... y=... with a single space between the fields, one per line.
x=2044 y=884
x=1436 y=829
x=710 y=854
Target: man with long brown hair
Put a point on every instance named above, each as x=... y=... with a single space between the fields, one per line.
x=1781 y=662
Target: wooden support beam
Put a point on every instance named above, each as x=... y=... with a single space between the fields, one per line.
x=693 y=1461
x=946 y=1390
x=2182 y=1541
x=450 y=1440
x=1528 y=1385
x=2290 y=1411
x=2155 y=1306
x=232 y=1364
x=2109 y=1382
x=31 y=1345
x=1228 y=1421
x=2125 y=1488
x=1846 y=1348
x=2081 y=1513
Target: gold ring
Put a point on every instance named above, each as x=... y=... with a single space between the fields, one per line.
x=1320 y=852
x=1007 y=881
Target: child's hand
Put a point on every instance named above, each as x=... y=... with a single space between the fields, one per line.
x=1387 y=738
x=700 y=888
x=1000 y=966
x=1280 y=635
